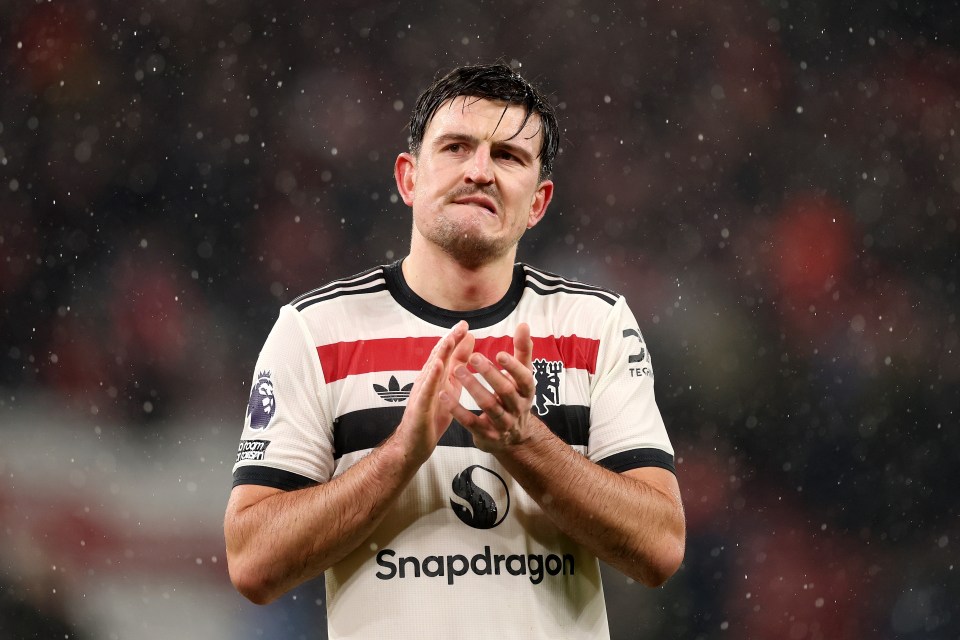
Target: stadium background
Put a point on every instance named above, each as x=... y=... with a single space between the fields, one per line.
x=774 y=186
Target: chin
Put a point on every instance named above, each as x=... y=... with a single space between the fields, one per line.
x=464 y=239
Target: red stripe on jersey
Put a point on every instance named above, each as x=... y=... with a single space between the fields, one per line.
x=343 y=359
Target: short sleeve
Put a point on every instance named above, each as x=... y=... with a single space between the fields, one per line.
x=626 y=428
x=287 y=438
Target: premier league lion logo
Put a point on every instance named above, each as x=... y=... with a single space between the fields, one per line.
x=262 y=405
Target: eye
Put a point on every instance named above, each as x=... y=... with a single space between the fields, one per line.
x=506 y=155
x=454 y=147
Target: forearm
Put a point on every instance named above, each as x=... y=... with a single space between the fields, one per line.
x=633 y=525
x=282 y=540
x=277 y=540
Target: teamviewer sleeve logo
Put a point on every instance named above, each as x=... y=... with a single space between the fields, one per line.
x=263 y=404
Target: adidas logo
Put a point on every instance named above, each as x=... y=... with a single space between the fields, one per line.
x=392 y=392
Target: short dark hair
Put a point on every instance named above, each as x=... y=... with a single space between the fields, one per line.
x=491 y=82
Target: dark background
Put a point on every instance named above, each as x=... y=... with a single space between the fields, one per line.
x=773 y=185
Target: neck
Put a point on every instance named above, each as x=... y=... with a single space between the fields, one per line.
x=439 y=279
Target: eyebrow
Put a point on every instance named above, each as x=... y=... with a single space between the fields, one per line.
x=505 y=145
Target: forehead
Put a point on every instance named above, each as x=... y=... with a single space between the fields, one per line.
x=486 y=120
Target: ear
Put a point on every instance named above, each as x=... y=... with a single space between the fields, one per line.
x=405 y=173
x=541 y=199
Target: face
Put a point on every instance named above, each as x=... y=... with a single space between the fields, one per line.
x=474 y=187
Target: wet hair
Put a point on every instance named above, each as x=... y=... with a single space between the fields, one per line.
x=496 y=82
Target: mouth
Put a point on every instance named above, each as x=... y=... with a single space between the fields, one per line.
x=480 y=201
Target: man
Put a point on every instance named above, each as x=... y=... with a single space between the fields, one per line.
x=455 y=438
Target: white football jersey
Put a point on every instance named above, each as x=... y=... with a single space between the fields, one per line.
x=464 y=552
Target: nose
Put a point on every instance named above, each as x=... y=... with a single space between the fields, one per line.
x=480 y=169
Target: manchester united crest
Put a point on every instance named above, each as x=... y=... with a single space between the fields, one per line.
x=548 y=375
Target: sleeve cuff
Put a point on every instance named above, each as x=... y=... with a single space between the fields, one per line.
x=637 y=458
x=270 y=477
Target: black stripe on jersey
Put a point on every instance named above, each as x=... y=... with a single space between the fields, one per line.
x=342 y=287
x=339 y=293
x=354 y=279
x=545 y=292
x=547 y=277
x=367 y=428
x=637 y=458
x=477 y=318
x=570 y=286
x=270 y=477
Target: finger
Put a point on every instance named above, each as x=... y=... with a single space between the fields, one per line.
x=459 y=331
x=464 y=347
x=520 y=376
x=445 y=346
x=446 y=401
x=488 y=402
x=441 y=352
x=441 y=345
x=460 y=340
x=429 y=385
x=421 y=380
x=523 y=345
x=479 y=427
x=459 y=413
x=458 y=354
x=503 y=387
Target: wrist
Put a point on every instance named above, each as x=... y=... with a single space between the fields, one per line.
x=403 y=451
x=530 y=442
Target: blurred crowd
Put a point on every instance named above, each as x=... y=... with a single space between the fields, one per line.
x=775 y=187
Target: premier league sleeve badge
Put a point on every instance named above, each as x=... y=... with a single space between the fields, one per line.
x=263 y=404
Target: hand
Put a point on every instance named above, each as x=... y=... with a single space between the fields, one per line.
x=505 y=419
x=426 y=418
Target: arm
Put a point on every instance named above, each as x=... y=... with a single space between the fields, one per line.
x=633 y=521
x=277 y=540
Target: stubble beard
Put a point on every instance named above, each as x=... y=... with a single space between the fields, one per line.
x=464 y=241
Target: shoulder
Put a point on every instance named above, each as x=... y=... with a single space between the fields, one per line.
x=366 y=282
x=545 y=283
